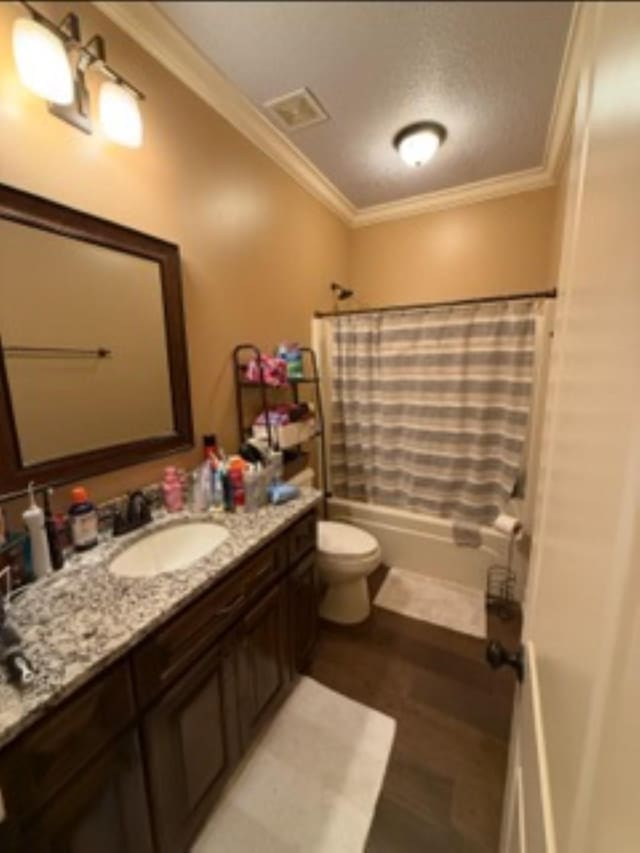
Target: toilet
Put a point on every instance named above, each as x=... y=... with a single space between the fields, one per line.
x=346 y=557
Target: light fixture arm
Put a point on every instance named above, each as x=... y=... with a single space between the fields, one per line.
x=69 y=27
x=92 y=53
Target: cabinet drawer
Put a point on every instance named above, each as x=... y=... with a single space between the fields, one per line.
x=45 y=758
x=302 y=538
x=162 y=658
x=265 y=566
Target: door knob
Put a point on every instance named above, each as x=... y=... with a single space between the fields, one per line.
x=498 y=656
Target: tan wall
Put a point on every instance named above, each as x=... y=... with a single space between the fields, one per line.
x=258 y=251
x=494 y=247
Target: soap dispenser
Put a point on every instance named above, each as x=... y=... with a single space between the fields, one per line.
x=34 y=520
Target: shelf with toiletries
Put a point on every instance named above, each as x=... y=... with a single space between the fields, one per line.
x=285 y=421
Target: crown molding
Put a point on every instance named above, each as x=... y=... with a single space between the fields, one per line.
x=516 y=182
x=146 y=24
x=558 y=134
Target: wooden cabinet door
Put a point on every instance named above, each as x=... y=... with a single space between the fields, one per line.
x=104 y=809
x=303 y=612
x=263 y=660
x=191 y=744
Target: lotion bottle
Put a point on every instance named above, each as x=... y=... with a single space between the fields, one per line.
x=83 y=520
x=172 y=490
x=34 y=520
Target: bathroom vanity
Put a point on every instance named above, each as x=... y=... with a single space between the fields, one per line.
x=145 y=702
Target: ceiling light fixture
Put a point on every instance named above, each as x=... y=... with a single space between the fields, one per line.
x=417 y=143
x=43 y=53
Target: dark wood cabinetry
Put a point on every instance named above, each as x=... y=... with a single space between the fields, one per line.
x=134 y=761
x=303 y=612
x=263 y=661
x=192 y=744
x=102 y=810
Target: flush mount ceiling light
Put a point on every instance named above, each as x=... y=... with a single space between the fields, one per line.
x=417 y=143
x=44 y=51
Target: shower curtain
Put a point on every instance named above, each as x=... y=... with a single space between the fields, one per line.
x=430 y=407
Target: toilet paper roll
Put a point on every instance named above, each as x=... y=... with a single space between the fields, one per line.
x=508 y=524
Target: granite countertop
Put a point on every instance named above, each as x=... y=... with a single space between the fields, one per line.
x=76 y=621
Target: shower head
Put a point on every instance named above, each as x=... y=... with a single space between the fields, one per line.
x=340 y=291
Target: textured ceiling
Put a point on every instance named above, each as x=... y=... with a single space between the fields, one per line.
x=487 y=71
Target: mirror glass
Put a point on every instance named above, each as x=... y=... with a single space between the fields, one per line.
x=85 y=345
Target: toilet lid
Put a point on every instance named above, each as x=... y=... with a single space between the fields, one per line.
x=345 y=539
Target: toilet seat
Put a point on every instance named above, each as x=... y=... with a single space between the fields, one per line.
x=344 y=542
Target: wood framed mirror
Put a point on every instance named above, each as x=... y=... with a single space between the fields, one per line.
x=93 y=357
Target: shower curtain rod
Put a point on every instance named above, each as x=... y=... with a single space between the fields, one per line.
x=539 y=294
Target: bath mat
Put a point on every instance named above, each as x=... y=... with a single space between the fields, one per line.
x=443 y=603
x=310 y=783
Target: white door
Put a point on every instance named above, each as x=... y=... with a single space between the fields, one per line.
x=574 y=784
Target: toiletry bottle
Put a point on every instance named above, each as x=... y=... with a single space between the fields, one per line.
x=252 y=486
x=83 y=518
x=34 y=521
x=53 y=540
x=195 y=502
x=227 y=488
x=217 y=497
x=172 y=490
x=205 y=484
x=236 y=475
x=211 y=450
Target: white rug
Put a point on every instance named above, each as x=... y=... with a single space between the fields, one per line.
x=310 y=783
x=432 y=600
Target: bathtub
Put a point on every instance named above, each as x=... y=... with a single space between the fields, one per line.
x=424 y=543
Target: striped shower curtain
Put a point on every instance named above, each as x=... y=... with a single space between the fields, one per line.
x=430 y=407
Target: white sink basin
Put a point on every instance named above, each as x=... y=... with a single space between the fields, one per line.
x=168 y=550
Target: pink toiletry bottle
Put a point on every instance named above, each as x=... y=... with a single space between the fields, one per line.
x=172 y=490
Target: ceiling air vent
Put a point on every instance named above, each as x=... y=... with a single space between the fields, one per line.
x=296 y=110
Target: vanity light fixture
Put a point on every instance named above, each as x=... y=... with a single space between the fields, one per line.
x=42 y=61
x=417 y=143
x=52 y=62
x=119 y=114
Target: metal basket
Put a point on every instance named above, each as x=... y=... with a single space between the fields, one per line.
x=500 y=595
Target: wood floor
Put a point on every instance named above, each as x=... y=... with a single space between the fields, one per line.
x=443 y=788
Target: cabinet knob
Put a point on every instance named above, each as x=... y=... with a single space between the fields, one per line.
x=498 y=656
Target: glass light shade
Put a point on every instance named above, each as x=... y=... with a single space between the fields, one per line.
x=120 y=115
x=419 y=147
x=42 y=61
